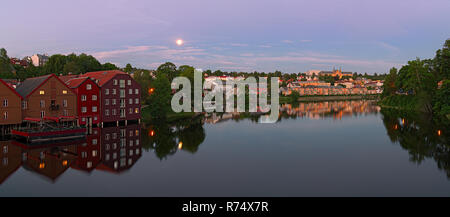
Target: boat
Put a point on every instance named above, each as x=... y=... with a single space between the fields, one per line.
x=49 y=129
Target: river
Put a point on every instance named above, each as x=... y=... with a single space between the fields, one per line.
x=340 y=148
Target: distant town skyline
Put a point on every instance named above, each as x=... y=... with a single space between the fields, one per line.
x=290 y=36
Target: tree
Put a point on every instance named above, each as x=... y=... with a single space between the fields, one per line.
x=6 y=69
x=169 y=69
x=160 y=98
x=389 y=87
x=128 y=68
x=109 y=66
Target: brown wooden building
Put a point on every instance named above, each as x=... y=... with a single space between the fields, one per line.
x=10 y=111
x=47 y=96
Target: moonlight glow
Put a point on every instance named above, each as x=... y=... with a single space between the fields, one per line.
x=179 y=42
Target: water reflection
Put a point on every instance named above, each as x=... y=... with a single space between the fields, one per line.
x=112 y=149
x=116 y=149
x=421 y=135
x=165 y=140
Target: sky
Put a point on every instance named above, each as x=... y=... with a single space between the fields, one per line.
x=231 y=35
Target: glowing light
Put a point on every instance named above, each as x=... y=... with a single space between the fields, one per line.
x=439 y=132
x=396 y=127
x=41 y=165
x=180 y=145
x=151 y=133
x=179 y=42
x=64 y=163
x=403 y=121
x=150 y=90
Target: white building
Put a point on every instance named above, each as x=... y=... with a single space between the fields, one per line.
x=39 y=60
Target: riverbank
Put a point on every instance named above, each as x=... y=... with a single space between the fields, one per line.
x=171 y=116
x=287 y=99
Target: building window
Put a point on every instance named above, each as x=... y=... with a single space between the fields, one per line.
x=83 y=109
x=64 y=91
x=66 y=113
x=106 y=101
x=131 y=133
x=114 y=146
x=83 y=119
x=94 y=108
x=94 y=153
x=114 y=112
x=94 y=141
x=107 y=136
x=136 y=110
x=5 y=149
x=130 y=101
x=83 y=97
x=129 y=82
x=114 y=101
x=114 y=135
x=88 y=86
x=136 y=101
x=131 y=142
x=137 y=150
x=136 y=91
x=107 y=92
x=122 y=84
x=5 y=103
x=137 y=132
x=107 y=157
x=107 y=147
x=83 y=154
x=42 y=114
x=122 y=113
x=130 y=152
x=94 y=97
x=114 y=155
x=95 y=118
x=65 y=103
x=130 y=111
x=122 y=93
x=41 y=92
x=107 y=112
x=137 y=141
x=130 y=91
x=24 y=104
x=5 y=115
x=89 y=164
x=115 y=81
x=114 y=91
x=130 y=161
x=42 y=103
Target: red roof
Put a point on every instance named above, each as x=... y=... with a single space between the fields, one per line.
x=75 y=82
x=65 y=78
x=103 y=76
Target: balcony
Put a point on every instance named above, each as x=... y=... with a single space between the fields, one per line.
x=54 y=107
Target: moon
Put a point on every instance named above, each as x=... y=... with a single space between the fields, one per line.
x=179 y=42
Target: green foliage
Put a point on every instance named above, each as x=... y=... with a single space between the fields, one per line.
x=159 y=100
x=441 y=101
x=294 y=96
x=169 y=69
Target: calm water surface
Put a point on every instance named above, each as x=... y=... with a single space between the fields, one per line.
x=348 y=148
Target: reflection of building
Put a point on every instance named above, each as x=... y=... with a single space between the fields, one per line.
x=120 y=147
x=52 y=161
x=89 y=152
x=336 y=109
x=10 y=156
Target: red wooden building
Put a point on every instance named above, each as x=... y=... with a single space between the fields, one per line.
x=120 y=96
x=88 y=99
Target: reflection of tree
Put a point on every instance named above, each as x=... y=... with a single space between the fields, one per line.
x=165 y=139
x=422 y=136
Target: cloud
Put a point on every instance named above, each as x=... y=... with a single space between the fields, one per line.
x=305 y=41
x=265 y=46
x=238 y=45
x=108 y=54
x=388 y=46
x=287 y=41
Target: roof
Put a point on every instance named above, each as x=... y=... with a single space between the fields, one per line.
x=103 y=76
x=9 y=86
x=75 y=82
x=27 y=86
x=65 y=78
x=30 y=84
